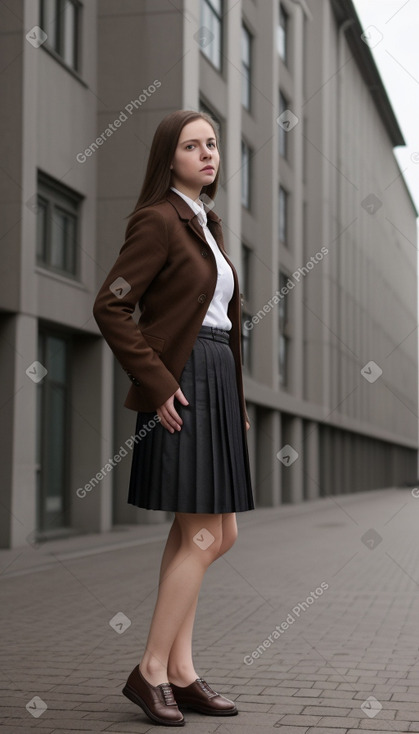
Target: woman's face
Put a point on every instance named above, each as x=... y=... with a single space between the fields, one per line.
x=196 y=150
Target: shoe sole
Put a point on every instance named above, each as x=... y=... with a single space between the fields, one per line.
x=135 y=698
x=209 y=712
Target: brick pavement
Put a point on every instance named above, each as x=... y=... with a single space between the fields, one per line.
x=346 y=659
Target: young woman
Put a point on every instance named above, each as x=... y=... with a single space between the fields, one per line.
x=184 y=360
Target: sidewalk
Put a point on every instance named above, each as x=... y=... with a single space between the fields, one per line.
x=310 y=623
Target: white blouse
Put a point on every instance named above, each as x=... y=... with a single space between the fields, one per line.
x=216 y=314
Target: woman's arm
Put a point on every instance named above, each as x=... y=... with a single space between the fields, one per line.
x=141 y=257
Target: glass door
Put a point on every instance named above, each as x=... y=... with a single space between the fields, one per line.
x=53 y=432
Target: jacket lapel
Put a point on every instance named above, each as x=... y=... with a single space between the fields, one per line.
x=214 y=225
x=185 y=212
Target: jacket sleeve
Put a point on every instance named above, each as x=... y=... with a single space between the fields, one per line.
x=141 y=257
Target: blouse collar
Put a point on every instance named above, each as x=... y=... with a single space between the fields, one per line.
x=197 y=208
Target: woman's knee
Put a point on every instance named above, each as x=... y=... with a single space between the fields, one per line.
x=230 y=535
x=201 y=532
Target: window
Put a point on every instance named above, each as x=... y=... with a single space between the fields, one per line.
x=53 y=431
x=283 y=135
x=246 y=342
x=283 y=215
x=57 y=227
x=60 y=20
x=282 y=34
x=245 y=172
x=210 y=32
x=246 y=62
x=203 y=107
x=305 y=149
x=283 y=329
x=246 y=270
x=245 y=306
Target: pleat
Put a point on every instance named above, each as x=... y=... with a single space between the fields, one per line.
x=204 y=467
x=221 y=437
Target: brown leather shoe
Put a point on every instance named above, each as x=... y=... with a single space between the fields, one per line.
x=156 y=701
x=199 y=696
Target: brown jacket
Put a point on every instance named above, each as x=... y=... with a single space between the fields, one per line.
x=167 y=266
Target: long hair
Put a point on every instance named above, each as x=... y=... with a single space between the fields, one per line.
x=157 y=180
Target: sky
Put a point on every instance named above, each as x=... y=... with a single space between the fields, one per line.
x=396 y=55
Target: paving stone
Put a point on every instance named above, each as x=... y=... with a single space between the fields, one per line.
x=76 y=725
x=341 y=693
x=300 y=720
x=253 y=707
x=407 y=715
x=258 y=729
x=326 y=710
x=383 y=714
x=337 y=721
x=393 y=727
x=314 y=692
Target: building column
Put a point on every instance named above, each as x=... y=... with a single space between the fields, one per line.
x=252 y=446
x=312 y=467
x=18 y=429
x=296 y=470
x=268 y=442
x=337 y=479
x=347 y=460
x=92 y=436
x=328 y=463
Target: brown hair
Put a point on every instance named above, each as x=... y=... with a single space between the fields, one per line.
x=157 y=180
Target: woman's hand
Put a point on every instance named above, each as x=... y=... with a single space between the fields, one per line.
x=169 y=417
x=247 y=425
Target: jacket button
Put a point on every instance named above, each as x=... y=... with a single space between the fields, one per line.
x=202 y=298
x=204 y=253
x=133 y=379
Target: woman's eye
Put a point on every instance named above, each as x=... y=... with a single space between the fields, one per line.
x=191 y=145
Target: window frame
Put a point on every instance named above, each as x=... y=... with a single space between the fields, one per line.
x=246 y=68
x=246 y=334
x=283 y=34
x=246 y=169
x=285 y=211
x=283 y=104
x=57 y=47
x=54 y=196
x=283 y=331
x=207 y=7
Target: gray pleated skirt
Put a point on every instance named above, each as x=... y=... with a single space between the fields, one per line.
x=204 y=467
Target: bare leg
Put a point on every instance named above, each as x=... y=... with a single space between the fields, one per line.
x=179 y=587
x=181 y=670
x=180 y=667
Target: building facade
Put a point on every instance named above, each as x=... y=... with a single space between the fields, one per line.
x=316 y=217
